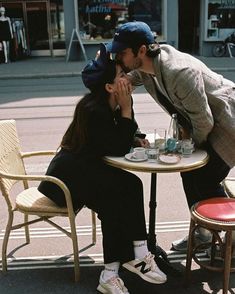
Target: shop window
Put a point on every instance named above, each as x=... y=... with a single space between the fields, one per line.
x=18 y=46
x=98 y=19
x=220 y=19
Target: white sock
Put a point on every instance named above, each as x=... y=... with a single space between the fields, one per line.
x=110 y=270
x=140 y=249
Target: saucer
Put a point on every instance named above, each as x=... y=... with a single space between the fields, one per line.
x=130 y=157
x=169 y=158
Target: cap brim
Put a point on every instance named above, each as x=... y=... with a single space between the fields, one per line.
x=116 y=47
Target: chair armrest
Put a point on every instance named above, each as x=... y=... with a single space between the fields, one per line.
x=37 y=153
x=52 y=179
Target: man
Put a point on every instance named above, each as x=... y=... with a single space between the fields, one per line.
x=203 y=100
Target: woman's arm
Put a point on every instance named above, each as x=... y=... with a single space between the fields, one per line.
x=108 y=136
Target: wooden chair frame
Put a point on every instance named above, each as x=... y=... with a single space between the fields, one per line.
x=30 y=201
x=214 y=227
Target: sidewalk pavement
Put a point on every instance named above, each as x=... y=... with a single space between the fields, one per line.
x=43 y=67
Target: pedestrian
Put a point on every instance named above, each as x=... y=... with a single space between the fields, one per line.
x=104 y=124
x=203 y=100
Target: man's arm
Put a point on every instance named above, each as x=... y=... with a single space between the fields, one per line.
x=191 y=91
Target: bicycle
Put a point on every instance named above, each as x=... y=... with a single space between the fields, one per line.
x=220 y=50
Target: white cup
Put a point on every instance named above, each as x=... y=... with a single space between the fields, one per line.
x=139 y=153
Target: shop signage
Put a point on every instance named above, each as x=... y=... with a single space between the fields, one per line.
x=227 y=4
x=106 y=6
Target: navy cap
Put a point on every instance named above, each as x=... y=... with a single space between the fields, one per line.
x=131 y=34
x=99 y=71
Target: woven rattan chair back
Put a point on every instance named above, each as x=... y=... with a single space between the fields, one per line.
x=30 y=201
x=10 y=156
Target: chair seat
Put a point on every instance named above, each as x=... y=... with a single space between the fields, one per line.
x=220 y=209
x=31 y=200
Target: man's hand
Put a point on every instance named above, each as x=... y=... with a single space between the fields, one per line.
x=184 y=133
x=138 y=142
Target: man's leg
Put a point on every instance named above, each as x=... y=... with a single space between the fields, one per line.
x=201 y=184
x=205 y=182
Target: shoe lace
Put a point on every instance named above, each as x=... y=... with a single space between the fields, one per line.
x=150 y=261
x=118 y=284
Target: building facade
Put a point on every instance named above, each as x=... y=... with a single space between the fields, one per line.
x=75 y=28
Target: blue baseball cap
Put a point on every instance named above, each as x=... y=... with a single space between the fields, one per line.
x=99 y=71
x=131 y=34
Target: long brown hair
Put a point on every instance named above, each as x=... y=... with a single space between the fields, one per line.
x=76 y=135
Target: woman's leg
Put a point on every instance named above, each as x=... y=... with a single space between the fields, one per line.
x=121 y=210
x=118 y=200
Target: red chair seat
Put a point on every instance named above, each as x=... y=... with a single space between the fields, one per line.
x=220 y=209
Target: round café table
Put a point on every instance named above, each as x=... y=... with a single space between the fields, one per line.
x=196 y=160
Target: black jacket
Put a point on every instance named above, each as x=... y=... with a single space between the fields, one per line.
x=108 y=134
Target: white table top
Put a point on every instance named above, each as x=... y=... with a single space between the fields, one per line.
x=198 y=159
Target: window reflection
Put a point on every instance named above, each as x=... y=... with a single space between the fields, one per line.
x=98 y=19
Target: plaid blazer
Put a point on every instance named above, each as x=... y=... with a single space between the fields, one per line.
x=202 y=96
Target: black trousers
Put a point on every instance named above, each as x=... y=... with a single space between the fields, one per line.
x=117 y=196
x=205 y=182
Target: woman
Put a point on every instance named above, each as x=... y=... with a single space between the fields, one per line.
x=104 y=124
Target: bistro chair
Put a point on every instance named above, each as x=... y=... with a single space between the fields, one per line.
x=215 y=215
x=30 y=202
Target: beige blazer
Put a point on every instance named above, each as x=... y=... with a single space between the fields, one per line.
x=204 y=97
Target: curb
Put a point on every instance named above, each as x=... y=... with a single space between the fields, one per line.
x=76 y=74
x=40 y=75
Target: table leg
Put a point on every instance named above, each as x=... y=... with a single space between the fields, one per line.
x=160 y=254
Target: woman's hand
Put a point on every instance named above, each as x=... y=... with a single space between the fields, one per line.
x=123 y=97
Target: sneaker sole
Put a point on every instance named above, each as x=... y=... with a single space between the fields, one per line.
x=147 y=279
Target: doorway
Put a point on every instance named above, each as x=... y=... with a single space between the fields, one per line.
x=189 y=14
x=38 y=28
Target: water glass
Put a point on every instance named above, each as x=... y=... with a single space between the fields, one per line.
x=152 y=154
x=160 y=138
x=187 y=147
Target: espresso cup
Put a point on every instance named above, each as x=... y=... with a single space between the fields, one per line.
x=139 y=153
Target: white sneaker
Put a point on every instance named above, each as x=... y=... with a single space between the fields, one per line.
x=115 y=285
x=147 y=269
